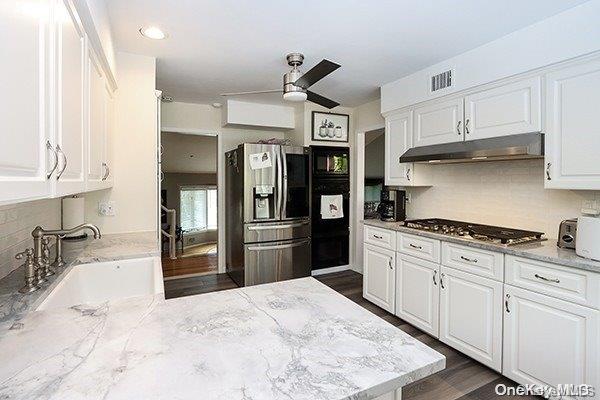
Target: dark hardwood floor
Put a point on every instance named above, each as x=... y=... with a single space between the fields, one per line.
x=463 y=378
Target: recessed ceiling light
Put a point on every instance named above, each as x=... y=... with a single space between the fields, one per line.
x=153 y=32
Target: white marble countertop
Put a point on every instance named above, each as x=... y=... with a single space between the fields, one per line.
x=288 y=340
x=14 y=305
x=542 y=251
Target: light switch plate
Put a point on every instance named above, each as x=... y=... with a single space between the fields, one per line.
x=107 y=208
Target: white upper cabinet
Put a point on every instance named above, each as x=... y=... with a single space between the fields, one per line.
x=70 y=137
x=573 y=132
x=438 y=122
x=505 y=110
x=398 y=139
x=549 y=341
x=417 y=292
x=379 y=276
x=97 y=126
x=26 y=155
x=471 y=316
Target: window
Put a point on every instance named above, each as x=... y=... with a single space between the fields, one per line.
x=198 y=207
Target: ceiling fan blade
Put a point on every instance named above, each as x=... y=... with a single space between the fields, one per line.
x=253 y=92
x=316 y=73
x=317 y=98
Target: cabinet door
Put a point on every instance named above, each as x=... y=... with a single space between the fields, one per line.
x=549 y=341
x=506 y=110
x=70 y=132
x=573 y=133
x=109 y=100
x=439 y=122
x=471 y=316
x=378 y=276
x=417 y=293
x=24 y=156
x=96 y=124
x=398 y=139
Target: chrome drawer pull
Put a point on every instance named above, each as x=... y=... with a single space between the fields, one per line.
x=473 y=260
x=442 y=281
x=434 y=275
x=414 y=246
x=506 y=303
x=547 y=279
x=377 y=237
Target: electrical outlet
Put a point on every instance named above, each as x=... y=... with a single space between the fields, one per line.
x=107 y=208
x=408 y=197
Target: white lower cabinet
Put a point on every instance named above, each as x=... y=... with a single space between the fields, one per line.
x=471 y=315
x=549 y=341
x=417 y=292
x=379 y=276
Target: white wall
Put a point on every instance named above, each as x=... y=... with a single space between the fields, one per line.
x=189 y=153
x=368 y=116
x=134 y=151
x=16 y=223
x=566 y=35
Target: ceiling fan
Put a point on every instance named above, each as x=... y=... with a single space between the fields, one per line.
x=295 y=84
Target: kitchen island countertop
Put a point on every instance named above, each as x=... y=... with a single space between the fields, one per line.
x=296 y=339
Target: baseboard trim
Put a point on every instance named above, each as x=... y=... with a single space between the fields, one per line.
x=329 y=270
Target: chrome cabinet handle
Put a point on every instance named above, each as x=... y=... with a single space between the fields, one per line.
x=408 y=174
x=64 y=156
x=51 y=148
x=473 y=260
x=106 y=171
x=467 y=126
x=506 y=303
x=377 y=237
x=442 y=281
x=162 y=176
x=434 y=276
x=458 y=127
x=547 y=279
x=390 y=264
x=548 y=177
x=414 y=246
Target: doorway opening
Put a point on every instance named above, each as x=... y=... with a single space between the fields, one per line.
x=189 y=205
x=374 y=156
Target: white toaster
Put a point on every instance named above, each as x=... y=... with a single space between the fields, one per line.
x=588 y=237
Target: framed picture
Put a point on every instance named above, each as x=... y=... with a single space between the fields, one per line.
x=330 y=127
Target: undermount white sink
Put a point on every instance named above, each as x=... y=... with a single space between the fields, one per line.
x=106 y=281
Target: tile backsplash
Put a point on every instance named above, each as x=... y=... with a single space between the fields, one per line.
x=505 y=193
x=16 y=223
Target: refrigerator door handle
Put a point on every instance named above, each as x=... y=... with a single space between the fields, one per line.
x=279 y=246
x=279 y=182
x=285 y=226
x=285 y=184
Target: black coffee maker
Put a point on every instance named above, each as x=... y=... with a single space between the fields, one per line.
x=392 y=207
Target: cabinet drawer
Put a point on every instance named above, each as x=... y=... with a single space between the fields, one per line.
x=380 y=237
x=488 y=264
x=419 y=246
x=574 y=285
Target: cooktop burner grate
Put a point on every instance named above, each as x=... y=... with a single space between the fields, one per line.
x=489 y=233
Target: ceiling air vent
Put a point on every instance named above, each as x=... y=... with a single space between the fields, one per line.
x=441 y=81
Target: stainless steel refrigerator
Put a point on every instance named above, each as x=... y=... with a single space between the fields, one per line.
x=267 y=197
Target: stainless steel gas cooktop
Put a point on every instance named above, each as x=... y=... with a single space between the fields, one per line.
x=485 y=233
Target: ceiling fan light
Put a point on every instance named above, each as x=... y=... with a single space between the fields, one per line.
x=295 y=96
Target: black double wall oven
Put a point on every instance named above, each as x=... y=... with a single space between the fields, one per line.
x=330 y=176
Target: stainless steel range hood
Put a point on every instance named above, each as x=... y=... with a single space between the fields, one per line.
x=513 y=147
